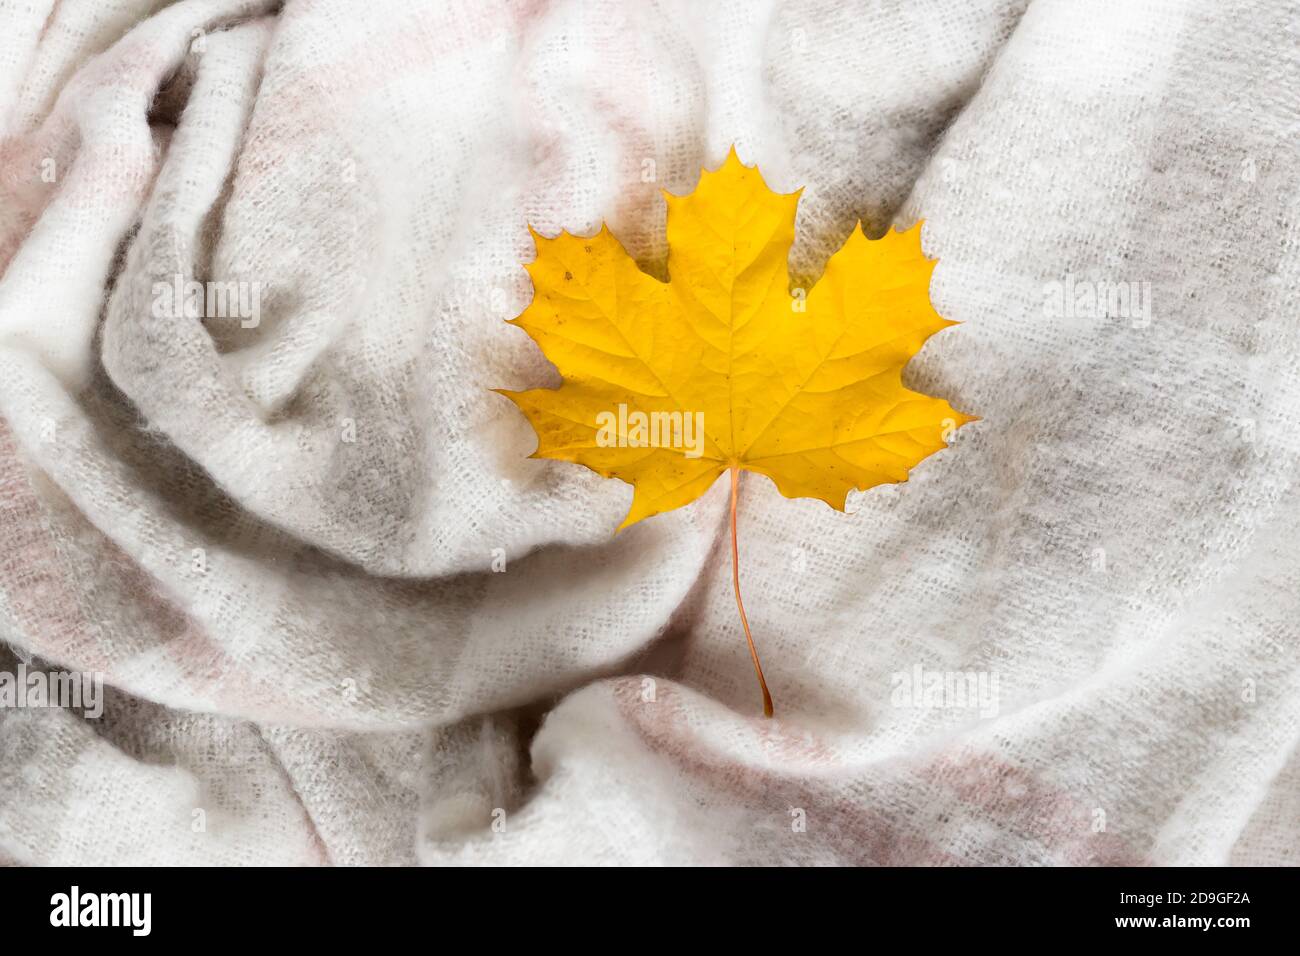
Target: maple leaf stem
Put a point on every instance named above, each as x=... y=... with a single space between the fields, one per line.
x=740 y=605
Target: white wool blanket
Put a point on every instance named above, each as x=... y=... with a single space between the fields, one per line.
x=341 y=617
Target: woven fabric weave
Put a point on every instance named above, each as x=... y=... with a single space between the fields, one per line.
x=341 y=617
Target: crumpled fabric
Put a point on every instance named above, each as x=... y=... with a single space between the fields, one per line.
x=341 y=617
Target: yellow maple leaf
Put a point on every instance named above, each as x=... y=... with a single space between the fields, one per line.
x=724 y=367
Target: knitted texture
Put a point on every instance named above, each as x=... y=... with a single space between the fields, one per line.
x=341 y=617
